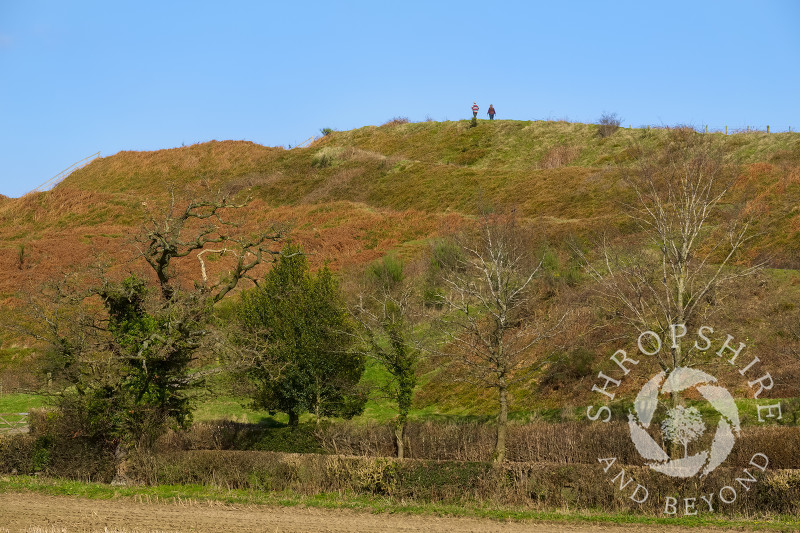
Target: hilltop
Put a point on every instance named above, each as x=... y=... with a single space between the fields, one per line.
x=353 y=196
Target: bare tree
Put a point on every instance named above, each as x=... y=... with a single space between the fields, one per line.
x=676 y=277
x=492 y=320
x=55 y=315
x=167 y=237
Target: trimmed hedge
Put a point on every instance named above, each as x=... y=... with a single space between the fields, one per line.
x=566 y=442
x=540 y=485
x=57 y=456
x=559 y=466
x=535 y=485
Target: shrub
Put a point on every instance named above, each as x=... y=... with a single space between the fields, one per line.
x=41 y=453
x=445 y=256
x=21 y=256
x=57 y=455
x=433 y=297
x=326 y=131
x=565 y=442
x=473 y=122
x=569 y=368
x=396 y=121
x=608 y=124
x=555 y=465
x=388 y=270
x=16 y=454
x=325 y=157
x=291 y=439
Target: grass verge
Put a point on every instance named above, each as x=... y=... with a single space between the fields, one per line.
x=21 y=402
x=371 y=504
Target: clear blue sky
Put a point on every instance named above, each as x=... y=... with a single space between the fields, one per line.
x=77 y=77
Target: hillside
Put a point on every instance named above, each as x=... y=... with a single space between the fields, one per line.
x=560 y=173
x=348 y=190
x=353 y=196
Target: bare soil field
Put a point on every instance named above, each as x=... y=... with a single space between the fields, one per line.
x=38 y=513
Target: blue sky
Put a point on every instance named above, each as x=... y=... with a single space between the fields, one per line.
x=80 y=77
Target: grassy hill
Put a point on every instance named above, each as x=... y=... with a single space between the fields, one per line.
x=561 y=173
x=354 y=196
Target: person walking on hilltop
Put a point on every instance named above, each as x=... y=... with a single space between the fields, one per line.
x=491 y=112
x=474 y=109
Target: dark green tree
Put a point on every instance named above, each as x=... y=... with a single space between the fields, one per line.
x=152 y=346
x=123 y=357
x=297 y=328
x=132 y=369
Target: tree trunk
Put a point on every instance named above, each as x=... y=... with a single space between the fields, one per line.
x=318 y=402
x=294 y=418
x=405 y=393
x=399 y=434
x=502 y=424
x=121 y=461
x=675 y=400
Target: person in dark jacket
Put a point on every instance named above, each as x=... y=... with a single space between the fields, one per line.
x=491 y=112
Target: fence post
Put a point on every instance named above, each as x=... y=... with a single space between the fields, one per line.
x=767 y=128
x=726 y=130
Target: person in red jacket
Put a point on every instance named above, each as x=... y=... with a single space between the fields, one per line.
x=491 y=112
x=474 y=109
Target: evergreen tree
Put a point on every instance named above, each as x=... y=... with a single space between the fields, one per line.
x=298 y=328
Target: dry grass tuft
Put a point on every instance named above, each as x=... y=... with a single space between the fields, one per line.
x=559 y=156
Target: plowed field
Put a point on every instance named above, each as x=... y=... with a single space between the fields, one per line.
x=37 y=513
